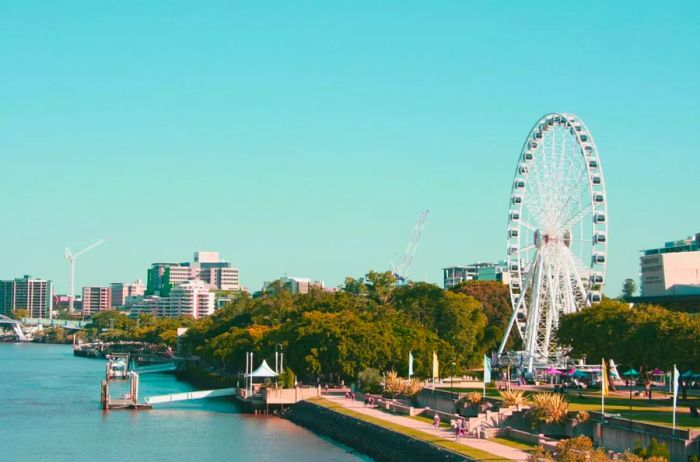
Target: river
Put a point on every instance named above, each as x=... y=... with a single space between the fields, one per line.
x=50 y=411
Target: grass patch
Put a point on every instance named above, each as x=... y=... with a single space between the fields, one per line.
x=513 y=443
x=472 y=453
x=657 y=411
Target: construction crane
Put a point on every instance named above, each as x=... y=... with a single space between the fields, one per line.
x=401 y=270
x=72 y=257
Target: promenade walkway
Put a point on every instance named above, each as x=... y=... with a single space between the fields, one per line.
x=497 y=449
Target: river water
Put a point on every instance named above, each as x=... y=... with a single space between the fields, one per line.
x=50 y=411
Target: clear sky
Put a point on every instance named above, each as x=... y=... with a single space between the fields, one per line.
x=306 y=137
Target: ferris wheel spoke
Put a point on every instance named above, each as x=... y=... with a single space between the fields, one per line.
x=527 y=225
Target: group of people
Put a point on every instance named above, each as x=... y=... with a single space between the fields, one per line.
x=369 y=400
x=460 y=426
x=349 y=395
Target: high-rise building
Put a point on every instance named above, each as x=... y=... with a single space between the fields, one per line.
x=207 y=266
x=216 y=272
x=122 y=290
x=164 y=276
x=33 y=295
x=672 y=270
x=191 y=298
x=294 y=285
x=454 y=275
x=96 y=299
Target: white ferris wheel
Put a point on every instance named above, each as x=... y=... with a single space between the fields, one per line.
x=557 y=232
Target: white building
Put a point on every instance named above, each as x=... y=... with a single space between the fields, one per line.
x=207 y=266
x=191 y=298
x=454 y=275
x=295 y=285
x=672 y=270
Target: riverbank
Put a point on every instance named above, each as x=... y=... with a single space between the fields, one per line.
x=378 y=442
x=390 y=437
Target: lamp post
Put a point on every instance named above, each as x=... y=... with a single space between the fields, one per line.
x=452 y=379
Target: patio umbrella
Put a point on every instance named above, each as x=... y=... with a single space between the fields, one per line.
x=630 y=373
x=571 y=372
x=552 y=371
x=657 y=371
x=687 y=374
x=581 y=374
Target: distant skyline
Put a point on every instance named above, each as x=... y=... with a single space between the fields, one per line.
x=305 y=138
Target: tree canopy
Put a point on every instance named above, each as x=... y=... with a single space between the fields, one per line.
x=372 y=323
x=644 y=336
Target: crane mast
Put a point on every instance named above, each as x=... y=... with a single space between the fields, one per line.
x=402 y=269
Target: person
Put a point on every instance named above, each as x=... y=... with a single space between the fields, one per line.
x=347 y=395
x=367 y=398
x=464 y=427
x=458 y=429
x=436 y=421
x=353 y=396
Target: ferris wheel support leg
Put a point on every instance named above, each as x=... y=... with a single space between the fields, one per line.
x=534 y=318
x=507 y=333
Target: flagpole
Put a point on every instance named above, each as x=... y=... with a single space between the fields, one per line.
x=602 y=388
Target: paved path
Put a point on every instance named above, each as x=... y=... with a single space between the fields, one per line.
x=500 y=450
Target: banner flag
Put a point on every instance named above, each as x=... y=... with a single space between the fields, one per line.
x=675 y=383
x=487 y=369
x=410 y=364
x=605 y=386
x=435 y=366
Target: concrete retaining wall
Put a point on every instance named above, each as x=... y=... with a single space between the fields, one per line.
x=619 y=434
x=377 y=442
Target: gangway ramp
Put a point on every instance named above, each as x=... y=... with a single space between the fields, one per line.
x=191 y=395
x=157 y=368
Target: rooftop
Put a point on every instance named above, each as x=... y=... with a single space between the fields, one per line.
x=690 y=244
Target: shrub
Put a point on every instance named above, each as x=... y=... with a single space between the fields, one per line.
x=578 y=449
x=548 y=408
x=474 y=397
x=393 y=383
x=513 y=398
x=539 y=454
x=655 y=452
x=631 y=457
x=583 y=416
x=412 y=387
x=287 y=378
x=370 y=380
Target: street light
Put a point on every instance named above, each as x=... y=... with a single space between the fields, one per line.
x=452 y=379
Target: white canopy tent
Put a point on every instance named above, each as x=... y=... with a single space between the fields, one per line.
x=263 y=371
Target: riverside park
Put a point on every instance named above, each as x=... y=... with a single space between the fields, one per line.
x=454 y=231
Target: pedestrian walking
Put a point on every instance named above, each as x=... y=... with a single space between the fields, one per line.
x=436 y=421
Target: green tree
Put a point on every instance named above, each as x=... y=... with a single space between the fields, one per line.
x=380 y=285
x=629 y=288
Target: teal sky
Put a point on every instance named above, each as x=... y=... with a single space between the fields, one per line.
x=306 y=137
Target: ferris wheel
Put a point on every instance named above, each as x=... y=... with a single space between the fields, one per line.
x=557 y=232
